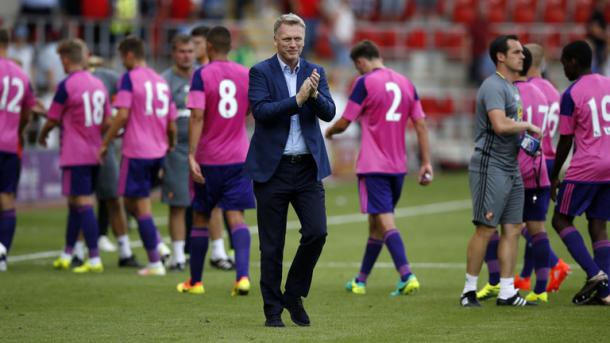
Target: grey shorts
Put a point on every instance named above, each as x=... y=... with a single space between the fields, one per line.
x=108 y=176
x=496 y=198
x=175 y=188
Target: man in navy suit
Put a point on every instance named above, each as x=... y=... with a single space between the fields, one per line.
x=287 y=161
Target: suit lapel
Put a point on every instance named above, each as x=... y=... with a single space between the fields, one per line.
x=278 y=76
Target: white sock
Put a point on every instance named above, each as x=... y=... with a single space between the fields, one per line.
x=178 y=247
x=94 y=261
x=218 y=250
x=79 y=250
x=157 y=264
x=507 y=288
x=65 y=256
x=471 y=283
x=124 y=246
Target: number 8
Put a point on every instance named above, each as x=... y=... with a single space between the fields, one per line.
x=227 y=91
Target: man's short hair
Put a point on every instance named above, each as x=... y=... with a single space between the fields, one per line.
x=365 y=49
x=288 y=19
x=580 y=51
x=5 y=37
x=200 y=31
x=537 y=54
x=500 y=45
x=527 y=61
x=180 y=39
x=220 y=38
x=73 y=49
x=132 y=44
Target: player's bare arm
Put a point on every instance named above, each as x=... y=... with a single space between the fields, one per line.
x=195 y=129
x=338 y=127
x=44 y=133
x=118 y=123
x=503 y=125
x=563 y=149
x=426 y=173
x=24 y=119
x=172 y=135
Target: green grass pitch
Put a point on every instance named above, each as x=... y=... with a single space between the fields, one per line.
x=40 y=304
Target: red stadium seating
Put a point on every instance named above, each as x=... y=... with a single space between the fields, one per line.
x=451 y=41
x=555 y=11
x=464 y=11
x=497 y=11
x=524 y=11
x=416 y=39
x=582 y=10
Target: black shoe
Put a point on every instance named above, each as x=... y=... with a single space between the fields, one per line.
x=222 y=264
x=177 y=267
x=588 y=290
x=274 y=322
x=469 y=299
x=516 y=300
x=297 y=311
x=76 y=262
x=129 y=262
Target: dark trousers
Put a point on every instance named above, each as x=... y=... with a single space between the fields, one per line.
x=294 y=182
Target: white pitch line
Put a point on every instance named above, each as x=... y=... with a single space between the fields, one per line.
x=403 y=212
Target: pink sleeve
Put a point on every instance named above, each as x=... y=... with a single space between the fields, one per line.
x=196 y=100
x=417 y=111
x=122 y=99
x=352 y=110
x=55 y=111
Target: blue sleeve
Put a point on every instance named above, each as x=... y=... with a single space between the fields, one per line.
x=126 y=83
x=61 y=95
x=197 y=81
x=359 y=92
x=566 y=107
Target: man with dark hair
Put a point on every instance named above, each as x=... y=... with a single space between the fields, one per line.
x=495 y=181
x=383 y=101
x=175 y=187
x=14 y=116
x=199 y=35
x=218 y=143
x=584 y=121
x=146 y=109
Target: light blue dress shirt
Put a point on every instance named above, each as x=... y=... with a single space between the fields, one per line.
x=295 y=144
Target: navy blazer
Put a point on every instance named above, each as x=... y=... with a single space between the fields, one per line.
x=272 y=107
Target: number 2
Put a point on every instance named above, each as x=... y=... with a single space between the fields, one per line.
x=391 y=115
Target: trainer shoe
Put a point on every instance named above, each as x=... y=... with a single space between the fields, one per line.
x=516 y=301
x=241 y=287
x=76 y=262
x=355 y=287
x=3 y=266
x=152 y=271
x=61 y=263
x=222 y=264
x=469 y=299
x=523 y=284
x=538 y=298
x=588 y=290
x=557 y=275
x=105 y=244
x=406 y=287
x=177 y=267
x=186 y=287
x=129 y=262
x=87 y=267
x=488 y=291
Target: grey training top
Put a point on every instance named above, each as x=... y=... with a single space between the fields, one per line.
x=110 y=78
x=179 y=86
x=492 y=152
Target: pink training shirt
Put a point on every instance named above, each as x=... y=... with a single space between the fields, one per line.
x=220 y=89
x=551 y=122
x=80 y=104
x=585 y=113
x=383 y=100
x=535 y=107
x=15 y=95
x=149 y=100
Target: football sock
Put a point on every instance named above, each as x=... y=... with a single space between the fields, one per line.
x=577 y=248
x=8 y=222
x=470 y=284
x=148 y=234
x=507 y=288
x=178 y=248
x=198 y=249
x=79 y=250
x=90 y=229
x=72 y=229
x=371 y=252
x=491 y=258
x=540 y=250
x=240 y=235
x=218 y=250
x=601 y=250
x=397 y=251
x=124 y=246
x=528 y=256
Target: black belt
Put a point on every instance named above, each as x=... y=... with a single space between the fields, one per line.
x=296 y=158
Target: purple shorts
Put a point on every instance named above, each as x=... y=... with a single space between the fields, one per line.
x=225 y=186
x=536 y=204
x=79 y=180
x=576 y=198
x=10 y=168
x=379 y=193
x=137 y=176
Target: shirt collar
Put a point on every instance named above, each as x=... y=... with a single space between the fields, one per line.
x=286 y=68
